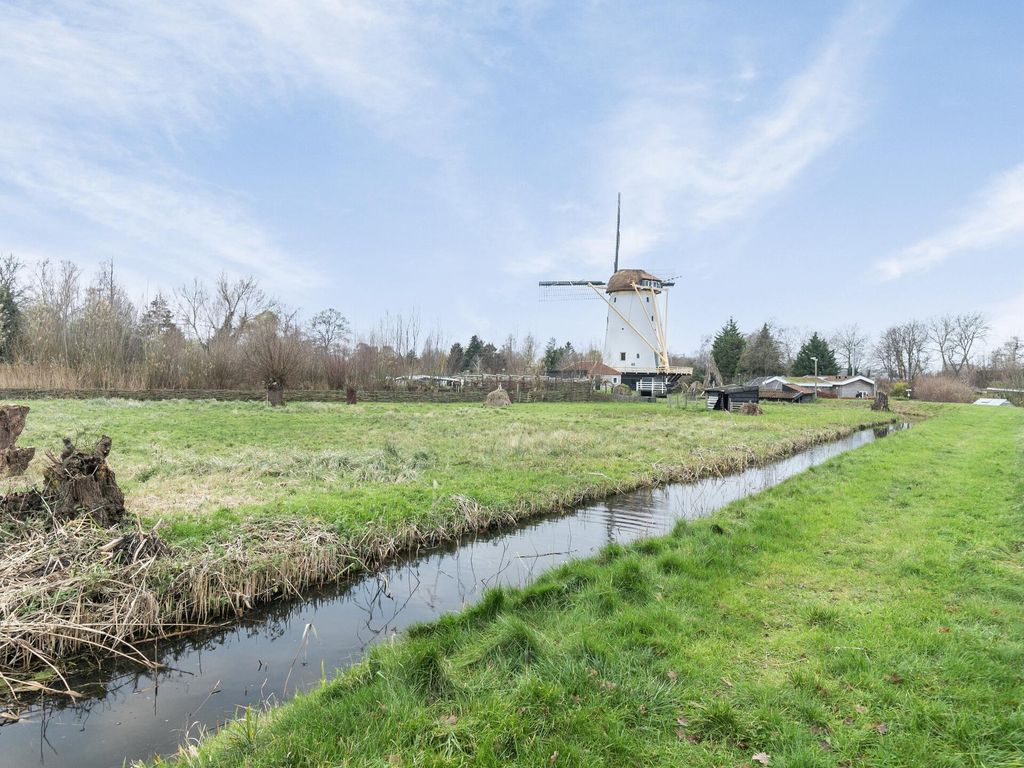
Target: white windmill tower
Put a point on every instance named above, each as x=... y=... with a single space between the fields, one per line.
x=636 y=338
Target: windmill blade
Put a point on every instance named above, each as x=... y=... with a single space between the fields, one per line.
x=553 y=283
x=568 y=290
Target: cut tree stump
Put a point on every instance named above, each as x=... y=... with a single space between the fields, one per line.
x=80 y=484
x=13 y=460
x=275 y=393
x=881 y=402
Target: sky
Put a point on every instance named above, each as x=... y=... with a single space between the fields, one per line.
x=809 y=163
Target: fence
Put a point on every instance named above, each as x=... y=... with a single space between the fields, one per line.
x=573 y=392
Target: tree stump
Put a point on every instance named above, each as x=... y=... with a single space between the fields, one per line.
x=275 y=393
x=350 y=395
x=751 y=409
x=881 y=402
x=13 y=460
x=79 y=484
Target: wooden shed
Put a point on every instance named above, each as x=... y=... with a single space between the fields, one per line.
x=731 y=398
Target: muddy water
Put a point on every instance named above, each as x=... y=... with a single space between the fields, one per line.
x=274 y=652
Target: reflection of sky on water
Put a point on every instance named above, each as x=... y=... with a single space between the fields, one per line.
x=284 y=647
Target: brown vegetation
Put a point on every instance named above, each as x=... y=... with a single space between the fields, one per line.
x=943 y=389
x=13 y=460
x=497 y=398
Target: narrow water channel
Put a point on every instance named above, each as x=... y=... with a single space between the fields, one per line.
x=284 y=648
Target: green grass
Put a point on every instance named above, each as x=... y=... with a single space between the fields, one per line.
x=869 y=612
x=203 y=467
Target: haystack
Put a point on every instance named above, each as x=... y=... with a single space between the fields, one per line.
x=498 y=398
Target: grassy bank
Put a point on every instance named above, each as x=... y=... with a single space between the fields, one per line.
x=257 y=502
x=203 y=467
x=868 y=612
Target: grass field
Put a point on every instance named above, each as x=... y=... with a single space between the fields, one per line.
x=204 y=466
x=869 y=612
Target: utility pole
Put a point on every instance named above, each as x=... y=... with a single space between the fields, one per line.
x=815 y=377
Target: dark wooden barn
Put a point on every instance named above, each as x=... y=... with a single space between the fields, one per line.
x=731 y=398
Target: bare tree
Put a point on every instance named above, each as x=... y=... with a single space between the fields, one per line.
x=968 y=330
x=902 y=350
x=528 y=353
x=790 y=339
x=329 y=331
x=192 y=302
x=940 y=334
x=954 y=337
x=851 y=345
x=275 y=349
x=54 y=299
x=223 y=313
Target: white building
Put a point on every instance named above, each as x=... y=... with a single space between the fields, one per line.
x=634 y=337
x=843 y=387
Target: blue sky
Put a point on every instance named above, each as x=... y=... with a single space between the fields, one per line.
x=810 y=163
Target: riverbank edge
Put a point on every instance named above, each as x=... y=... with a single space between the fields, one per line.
x=246 y=735
x=269 y=560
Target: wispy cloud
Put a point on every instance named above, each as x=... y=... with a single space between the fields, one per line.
x=684 y=165
x=1006 y=317
x=995 y=216
x=97 y=97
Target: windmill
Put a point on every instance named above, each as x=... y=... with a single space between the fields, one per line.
x=636 y=330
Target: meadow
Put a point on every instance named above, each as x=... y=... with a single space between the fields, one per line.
x=203 y=467
x=867 y=612
x=239 y=503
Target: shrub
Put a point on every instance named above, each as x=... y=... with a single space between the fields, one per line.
x=943 y=389
x=899 y=390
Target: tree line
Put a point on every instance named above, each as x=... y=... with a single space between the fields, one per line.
x=947 y=345
x=60 y=329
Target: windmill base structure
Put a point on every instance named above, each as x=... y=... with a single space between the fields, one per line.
x=636 y=340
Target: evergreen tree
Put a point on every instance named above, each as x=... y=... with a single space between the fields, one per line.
x=10 y=312
x=817 y=347
x=555 y=355
x=456 y=356
x=472 y=355
x=157 y=319
x=727 y=349
x=762 y=355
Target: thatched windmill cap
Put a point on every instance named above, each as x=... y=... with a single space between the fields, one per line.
x=625 y=279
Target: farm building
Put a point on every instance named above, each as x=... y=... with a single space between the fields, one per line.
x=593 y=370
x=787 y=393
x=843 y=387
x=731 y=398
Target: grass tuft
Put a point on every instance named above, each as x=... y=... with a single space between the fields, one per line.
x=515 y=642
x=632 y=580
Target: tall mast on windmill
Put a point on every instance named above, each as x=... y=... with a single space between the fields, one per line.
x=618 y=232
x=636 y=336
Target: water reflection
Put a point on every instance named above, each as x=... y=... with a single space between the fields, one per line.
x=286 y=647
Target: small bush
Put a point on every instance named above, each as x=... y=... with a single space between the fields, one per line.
x=943 y=389
x=898 y=390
